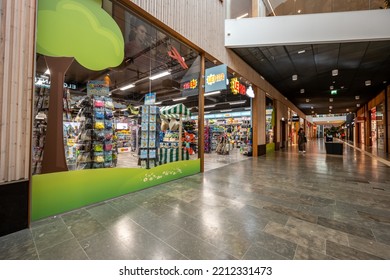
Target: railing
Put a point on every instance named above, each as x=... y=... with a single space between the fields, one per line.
x=261 y=8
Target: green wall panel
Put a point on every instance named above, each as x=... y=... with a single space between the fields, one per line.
x=56 y=193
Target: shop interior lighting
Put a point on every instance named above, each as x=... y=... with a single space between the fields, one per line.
x=331 y=87
x=247 y=108
x=294 y=77
x=347 y=110
x=127 y=87
x=302 y=90
x=330 y=107
x=159 y=75
x=367 y=83
x=307 y=100
x=335 y=72
x=179 y=99
x=312 y=107
x=227 y=110
x=210 y=106
x=358 y=105
x=330 y=99
x=242 y=16
x=357 y=97
x=250 y=93
x=158 y=103
x=212 y=93
x=301 y=51
x=237 y=102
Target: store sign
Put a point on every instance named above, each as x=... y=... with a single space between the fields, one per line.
x=190 y=84
x=150 y=98
x=44 y=81
x=97 y=88
x=236 y=87
x=216 y=78
x=193 y=84
x=295 y=119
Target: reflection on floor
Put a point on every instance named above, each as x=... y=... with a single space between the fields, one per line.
x=284 y=205
x=212 y=160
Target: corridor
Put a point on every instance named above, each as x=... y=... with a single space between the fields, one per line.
x=284 y=205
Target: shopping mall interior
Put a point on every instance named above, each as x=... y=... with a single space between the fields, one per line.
x=180 y=151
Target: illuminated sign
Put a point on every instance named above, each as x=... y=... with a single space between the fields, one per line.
x=193 y=84
x=236 y=87
x=216 y=78
x=43 y=81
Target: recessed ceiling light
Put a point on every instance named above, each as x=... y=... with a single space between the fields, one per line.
x=237 y=102
x=330 y=111
x=307 y=100
x=179 y=99
x=335 y=72
x=312 y=107
x=347 y=110
x=302 y=90
x=330 y=107
x=301 y=51
x=127 y=87
x=330 y=99
x=331 y=87
x=299 y=11
x=294 y=77
x=357 y=97
x=312 y=112
x=367 y=83
x=358 y=105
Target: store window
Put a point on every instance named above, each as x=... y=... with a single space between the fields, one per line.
x=270 y=121
x=136 y=114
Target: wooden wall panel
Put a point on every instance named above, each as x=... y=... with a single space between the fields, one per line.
x=16 y=87
x=202 y=22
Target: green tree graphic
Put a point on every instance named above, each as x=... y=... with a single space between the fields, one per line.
x=68 y=30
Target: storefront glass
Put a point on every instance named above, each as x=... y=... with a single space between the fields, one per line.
x=141 y=107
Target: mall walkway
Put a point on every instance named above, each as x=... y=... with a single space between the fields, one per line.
x=280 y=206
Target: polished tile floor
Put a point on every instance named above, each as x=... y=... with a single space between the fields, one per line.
x=284 y=205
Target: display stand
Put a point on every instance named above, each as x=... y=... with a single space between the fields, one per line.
x=148 y=147
x=168 y=153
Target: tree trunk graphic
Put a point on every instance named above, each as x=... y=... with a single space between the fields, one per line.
x=53 y=152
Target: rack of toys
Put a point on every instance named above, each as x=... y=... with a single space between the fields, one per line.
x=148 y=146
x=96 y=143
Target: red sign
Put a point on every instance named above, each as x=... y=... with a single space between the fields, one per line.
x=236 y=87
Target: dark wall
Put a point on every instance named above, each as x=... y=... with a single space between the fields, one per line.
x=13 y=207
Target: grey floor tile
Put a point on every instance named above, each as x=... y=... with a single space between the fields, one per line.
x=18 y=246
x=192 y=247
x=51 y=234
x=257 y=252
x=304 y=253
x=346 y=227
x=104 y=213
x=104 y=246
x=268 y=207
x=342 y=252
x=67 y=250
x=275 y=244
x=85 y=227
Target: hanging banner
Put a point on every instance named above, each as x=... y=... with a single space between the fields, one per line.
x=97 y=88
x=216 y=78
